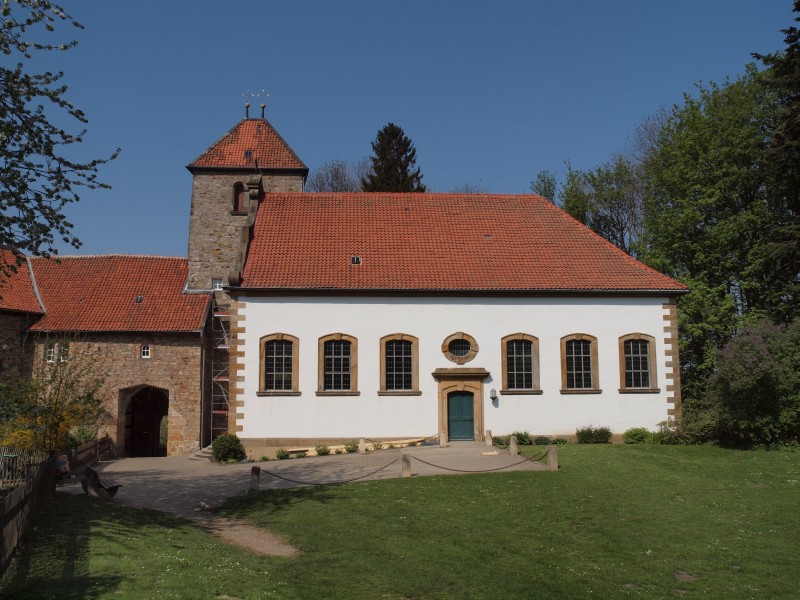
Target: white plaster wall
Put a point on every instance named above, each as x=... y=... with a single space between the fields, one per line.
x=432 y=320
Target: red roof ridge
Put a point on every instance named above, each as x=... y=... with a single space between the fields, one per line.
x=112 y=255
x=453 y=242
x=271 y=148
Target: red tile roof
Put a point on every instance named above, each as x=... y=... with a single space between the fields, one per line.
x=98 y=293
x=448 y=242
x=17 y=290
x=250 y=141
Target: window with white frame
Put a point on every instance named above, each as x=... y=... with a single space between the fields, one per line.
x=50 y=353
x=145 y=351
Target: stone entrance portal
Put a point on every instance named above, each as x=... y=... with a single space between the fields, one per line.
x=145 y=416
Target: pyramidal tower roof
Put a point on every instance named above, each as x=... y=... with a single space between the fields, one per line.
x=251 y=143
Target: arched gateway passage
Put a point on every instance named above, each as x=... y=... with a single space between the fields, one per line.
x=145 y=416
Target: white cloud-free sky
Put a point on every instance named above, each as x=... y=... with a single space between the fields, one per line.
x=489 y=92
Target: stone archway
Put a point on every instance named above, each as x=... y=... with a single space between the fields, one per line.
x=145 y=414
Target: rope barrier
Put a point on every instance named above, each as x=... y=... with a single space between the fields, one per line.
x=480 y=470
x=329 y=482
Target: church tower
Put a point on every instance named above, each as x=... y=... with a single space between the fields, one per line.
x=228 y=181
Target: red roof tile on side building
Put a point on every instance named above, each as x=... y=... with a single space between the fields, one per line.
x=251 y=143
x=99 y=293
x=434 y=242
x=17 y=288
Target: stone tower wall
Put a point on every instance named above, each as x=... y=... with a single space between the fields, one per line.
x=215 y=228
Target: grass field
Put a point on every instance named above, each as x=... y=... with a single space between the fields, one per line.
x=615 y=522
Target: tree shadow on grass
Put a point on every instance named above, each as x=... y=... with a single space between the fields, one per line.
x=51 y=560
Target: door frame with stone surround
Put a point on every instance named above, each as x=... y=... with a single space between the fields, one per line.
x=461 y=380
x=124 y=398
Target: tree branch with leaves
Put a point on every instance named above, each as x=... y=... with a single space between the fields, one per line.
x=38 y=174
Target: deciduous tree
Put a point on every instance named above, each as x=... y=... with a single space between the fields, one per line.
x=394 y=163
x=61 y=394
x=338 y=176
x=545 y=185
x=608 y=200
x=39 y=174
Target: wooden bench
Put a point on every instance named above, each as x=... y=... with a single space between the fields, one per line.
x=97 y=486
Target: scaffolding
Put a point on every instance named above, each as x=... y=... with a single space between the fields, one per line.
x=220 y=371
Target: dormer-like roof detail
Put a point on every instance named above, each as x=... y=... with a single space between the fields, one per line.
x=446 y=243
x=252 y=143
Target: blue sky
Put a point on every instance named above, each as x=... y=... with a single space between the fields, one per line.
x=489 y=92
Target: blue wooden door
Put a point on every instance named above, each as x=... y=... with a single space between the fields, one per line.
x=460 y=418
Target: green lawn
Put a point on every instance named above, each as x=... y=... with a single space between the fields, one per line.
x=616 y=521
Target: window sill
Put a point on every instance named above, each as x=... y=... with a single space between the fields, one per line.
x=239 y=213
x=521 y=392
x=639 y=390
x=582 y=391
x=399 y=393
x=337 y=393
x=263 y=393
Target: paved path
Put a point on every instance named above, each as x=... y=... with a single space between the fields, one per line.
x=179 y=484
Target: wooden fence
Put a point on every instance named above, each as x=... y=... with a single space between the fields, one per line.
x=91 y=452
x=32 y=475
x=14 y=465
x=19 y=506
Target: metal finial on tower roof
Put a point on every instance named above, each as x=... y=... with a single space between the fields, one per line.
x=262 y=94
x=247 y=95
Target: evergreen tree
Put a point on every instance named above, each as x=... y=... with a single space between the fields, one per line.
x=394 y=163
x=781 y=252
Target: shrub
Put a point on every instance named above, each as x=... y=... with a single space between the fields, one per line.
x=322 y=450
x=638 y=435
x=390 y=446
x=227 y=448
x=669 y=434
x=542 y=440
x=264 y=459
x=282 y=454
x=500 y=440
x=593 y=435
x=377 y=446
x=338 y=451
x=559 y=441
x=756 y=388
x=351 y=447
x=302 y=454
x=412 y=443
x=523 y=438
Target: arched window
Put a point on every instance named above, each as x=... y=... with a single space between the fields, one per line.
x=520 y=353
x=399 y=365
x=279 y=364
x=239 y=198
x=338 y=365
x=579 y=371
x=637 y=365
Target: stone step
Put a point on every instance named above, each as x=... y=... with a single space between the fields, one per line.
x=205 y=454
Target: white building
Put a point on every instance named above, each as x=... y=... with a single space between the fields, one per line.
x=387 y=316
